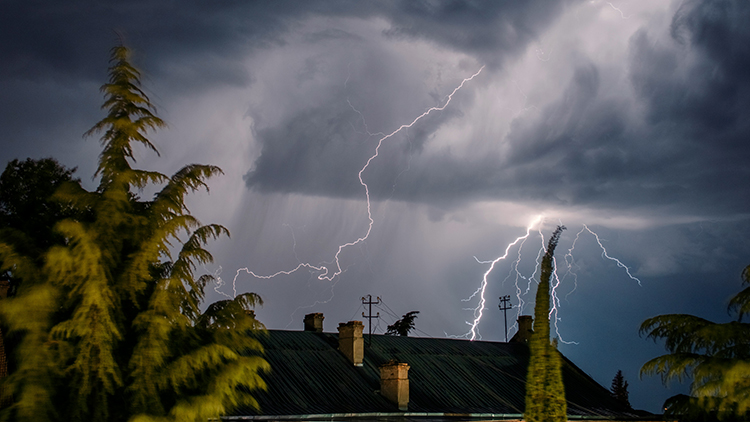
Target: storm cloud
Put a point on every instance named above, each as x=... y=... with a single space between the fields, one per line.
x=628 y=117
x=669 y=136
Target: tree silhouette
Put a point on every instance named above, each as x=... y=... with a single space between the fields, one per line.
x=28 y=213
x=110 y=321
x=619 y=389
x=403 y=326
x=545 y=393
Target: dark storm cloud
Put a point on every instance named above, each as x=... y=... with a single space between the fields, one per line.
x=44 y=37
x=698 y=108
x=575 y=149
x=51 y=38
x=309 y=153
x=491 y=31
x=192 y=46
x=54 y=57
x=321 y=150
x=710 y=100
x=297 y=152
x=688 y=153
x=583 y=148
x=691 y=151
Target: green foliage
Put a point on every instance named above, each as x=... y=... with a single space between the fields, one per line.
x=545 y=392
x=109 y=318
x=403 y=326
x=28 y=213
x=715 y=356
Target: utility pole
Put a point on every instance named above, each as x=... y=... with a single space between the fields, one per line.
x=504 y=306
x=370 y=316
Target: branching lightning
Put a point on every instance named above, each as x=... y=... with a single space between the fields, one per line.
x=554 y=309
x=326 y=273
x=219 y=282
x=479 y=310
x=620 y=11
x=568 y=268
x=330 y=270
x=604 y=254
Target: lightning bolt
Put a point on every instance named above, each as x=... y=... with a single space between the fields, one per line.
x=325 y=272
x=567 y=269
x=553 y=312
x=621 y=13
x=479 y=310
x=330 y=270
x=605 y=255
x=570 y=264
x=219 y=282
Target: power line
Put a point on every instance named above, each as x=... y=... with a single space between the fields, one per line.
x=504 y=306
x=393 y=314
x=355 y=312
x=387 y=310
x=370 y=316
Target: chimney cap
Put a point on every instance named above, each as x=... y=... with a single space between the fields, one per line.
x=314 y=322
x=525 y=330
x=394 y=362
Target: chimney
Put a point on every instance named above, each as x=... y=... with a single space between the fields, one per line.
x=314 y=322
x=394 y=383
x=351 y=342
x=525 y=323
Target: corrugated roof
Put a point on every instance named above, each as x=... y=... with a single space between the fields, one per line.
x=310 y=376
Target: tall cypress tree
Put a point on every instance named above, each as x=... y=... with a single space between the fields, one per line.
x=110 y=323
x=545 y=393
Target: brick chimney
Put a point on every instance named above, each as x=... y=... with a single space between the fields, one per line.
x=351 y=341
x=314 y=322
x=525 y=323
x=394 y=383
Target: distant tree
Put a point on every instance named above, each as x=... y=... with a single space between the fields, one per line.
x=545 y=392
x=28 y=213
x=403 y=326
x=715 y=356
x=619 y=389
x=110 y=320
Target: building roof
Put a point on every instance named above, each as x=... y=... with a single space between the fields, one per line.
x=310 y=377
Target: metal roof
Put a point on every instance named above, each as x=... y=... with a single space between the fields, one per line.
x=309 y=376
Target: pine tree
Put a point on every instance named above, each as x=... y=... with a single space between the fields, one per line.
x=619 y=389
x=715 y=356
x=545 y=392
x=110 y=324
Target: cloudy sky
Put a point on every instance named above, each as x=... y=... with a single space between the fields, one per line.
x=628 y=117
